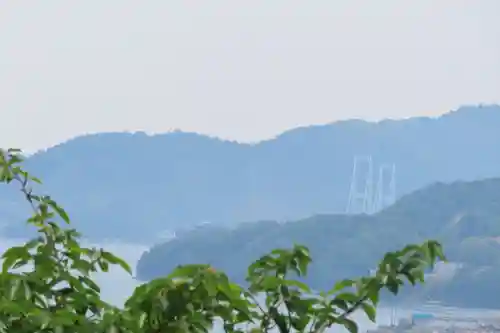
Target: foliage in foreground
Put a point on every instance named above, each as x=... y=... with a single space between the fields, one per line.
x=46 y=284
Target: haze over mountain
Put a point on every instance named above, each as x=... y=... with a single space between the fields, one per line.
x=132 y=187
x=463 y=216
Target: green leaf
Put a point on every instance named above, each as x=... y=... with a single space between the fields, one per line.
x=187 y=271
x=294 y=283
x=300 y=323
x=90 y=283
x=36 y=180
x=350 y=325
x=27 y=290
x=392 y=285
x=59 y=210
x=348 y=297
x=341 y=285
x=14 y=289
x=82 y=266
x=372 y=288
x=112 y=259
x=270 y=282
x=12 y=255
x=370 y=311
x=103 y=265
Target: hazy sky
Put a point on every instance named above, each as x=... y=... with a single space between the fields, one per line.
x=245 y=70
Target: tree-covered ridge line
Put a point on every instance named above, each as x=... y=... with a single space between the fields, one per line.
x=463 y=216
x=300 y=173
x=46 y=284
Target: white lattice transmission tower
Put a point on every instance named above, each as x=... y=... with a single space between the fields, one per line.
x=366 y=197
x=386 y=187
x=361 y=189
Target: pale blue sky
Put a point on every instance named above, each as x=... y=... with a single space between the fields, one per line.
x=245 y=70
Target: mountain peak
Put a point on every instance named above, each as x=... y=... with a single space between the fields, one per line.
x=481 y=111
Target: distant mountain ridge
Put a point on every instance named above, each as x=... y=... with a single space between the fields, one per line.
x=134 y=186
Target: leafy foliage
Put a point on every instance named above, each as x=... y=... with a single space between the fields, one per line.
x=46 y=284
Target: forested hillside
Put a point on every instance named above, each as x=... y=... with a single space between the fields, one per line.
x=149 y=184
x=464 y=216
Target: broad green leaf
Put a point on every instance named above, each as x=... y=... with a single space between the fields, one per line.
x=12 y=255
x=294 y=283
x=59 y=210
x=348 y=297
x=341 y=285
x=90 y=283
x=350 y=325
x=370 y=311
x=112 y=259
x=185 y=271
